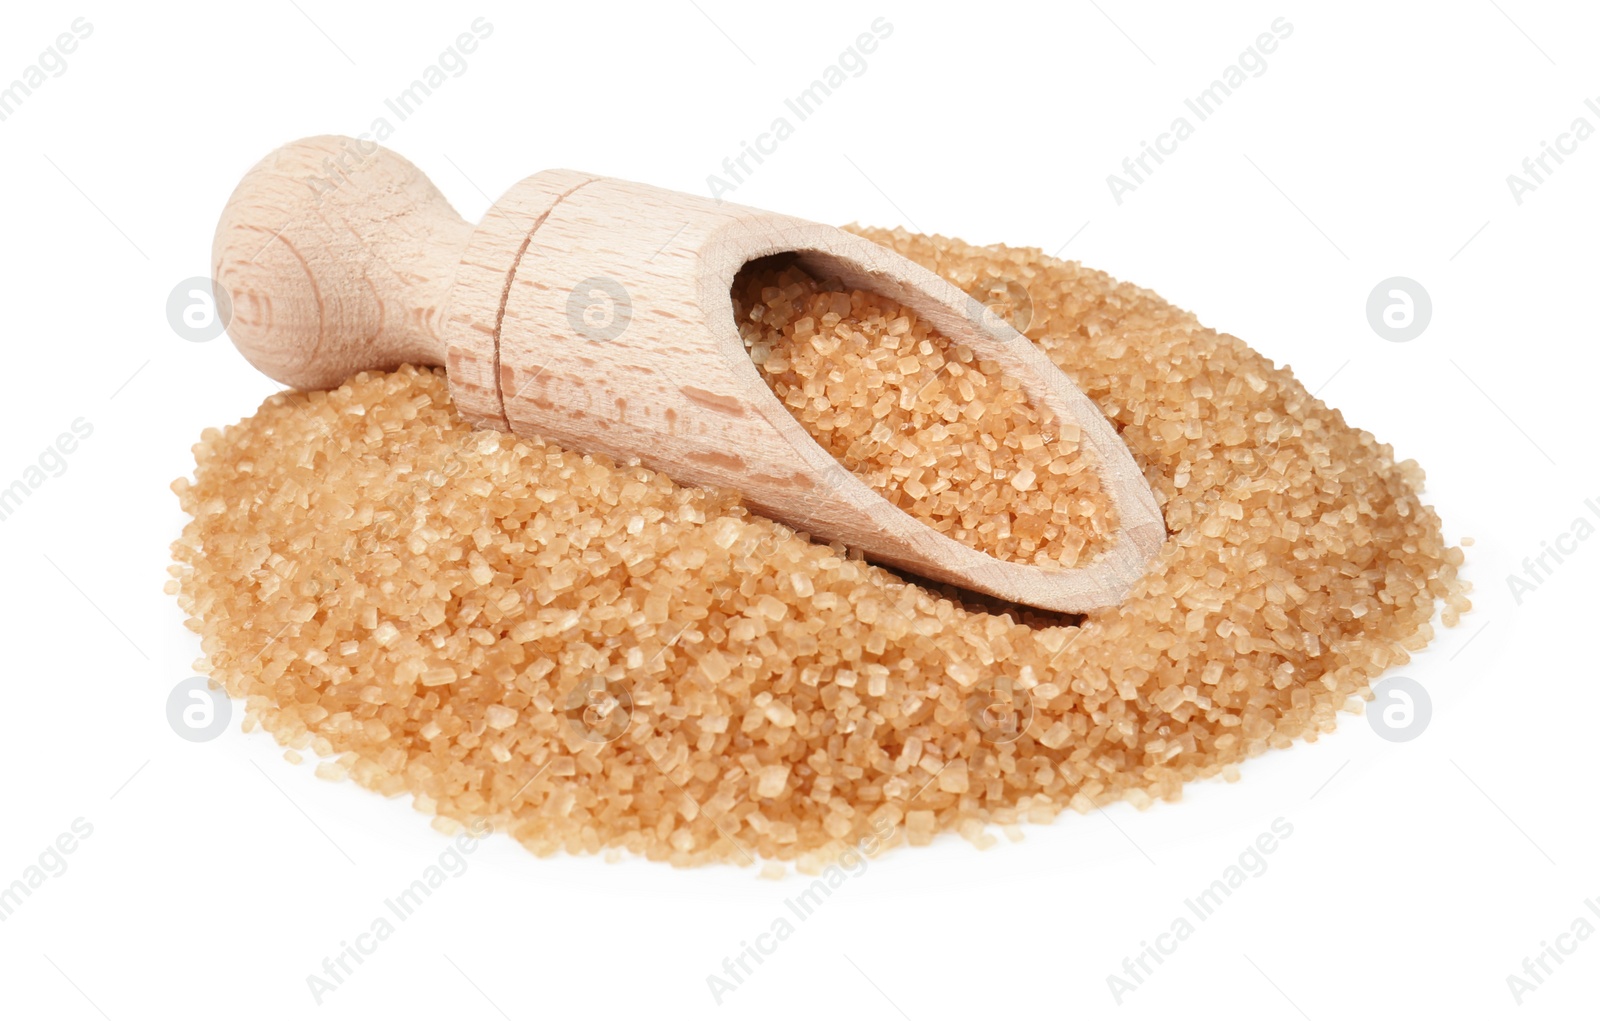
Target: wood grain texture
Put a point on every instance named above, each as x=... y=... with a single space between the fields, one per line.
x=488 y=267
x=598 y=313
x=338 y=255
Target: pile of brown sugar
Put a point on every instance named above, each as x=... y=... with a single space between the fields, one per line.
x=591 y=656
x=948 y=438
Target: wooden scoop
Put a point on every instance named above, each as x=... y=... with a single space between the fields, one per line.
x=597 y=313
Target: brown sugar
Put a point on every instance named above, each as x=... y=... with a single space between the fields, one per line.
x=949 y=439
x=592 y=657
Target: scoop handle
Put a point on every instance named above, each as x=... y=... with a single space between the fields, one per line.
x=337 y=256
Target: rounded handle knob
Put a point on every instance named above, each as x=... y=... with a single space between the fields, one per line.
x=338 y=255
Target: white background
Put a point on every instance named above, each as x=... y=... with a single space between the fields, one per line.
x=1377 y=143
